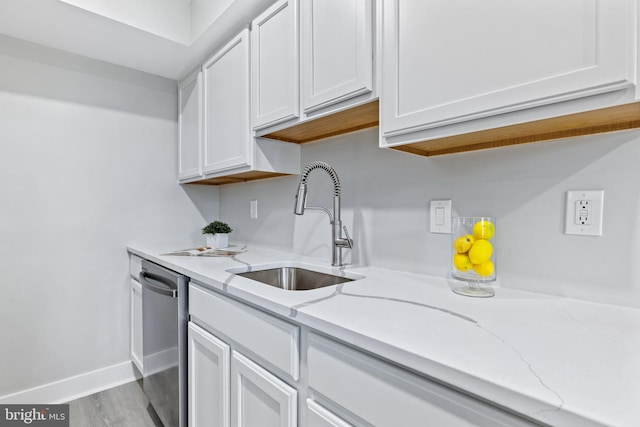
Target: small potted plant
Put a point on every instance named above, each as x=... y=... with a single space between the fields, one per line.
x=217 y=234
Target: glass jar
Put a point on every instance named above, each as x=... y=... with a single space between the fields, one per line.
x=473 y=255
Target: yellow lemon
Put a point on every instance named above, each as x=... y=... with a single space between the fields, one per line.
x=462 y=262
x=480 y=251
x=463 y=244
x=485 y=269
x=483 y=230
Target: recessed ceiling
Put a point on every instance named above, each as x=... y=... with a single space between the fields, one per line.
x=163 y=37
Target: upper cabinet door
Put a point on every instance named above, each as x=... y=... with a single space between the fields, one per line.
x=448 y=62
x=337 y=56
x=190 y=126
x=227 y=136
x=274 y=67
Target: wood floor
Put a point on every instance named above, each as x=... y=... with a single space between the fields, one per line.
x=123 y=406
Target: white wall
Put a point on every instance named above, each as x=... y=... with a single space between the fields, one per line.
x=170 y=19
x=87 y=166
x=385 y=205
x=204 y=13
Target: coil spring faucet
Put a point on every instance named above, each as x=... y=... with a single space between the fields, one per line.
x=336 y=230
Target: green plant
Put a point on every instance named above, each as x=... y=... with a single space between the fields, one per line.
x=216 y=227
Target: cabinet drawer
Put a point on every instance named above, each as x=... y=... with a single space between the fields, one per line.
x=353 y=380
x=272 y=339
x=317 y=416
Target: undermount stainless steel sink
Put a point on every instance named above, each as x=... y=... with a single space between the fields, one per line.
x=294 y=278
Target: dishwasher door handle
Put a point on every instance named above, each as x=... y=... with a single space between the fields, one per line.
x=155 y=284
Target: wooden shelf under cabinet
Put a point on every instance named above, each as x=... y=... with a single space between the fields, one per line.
x=238 y=177
x=620 y=117
x=610 y=119
x=350 y=120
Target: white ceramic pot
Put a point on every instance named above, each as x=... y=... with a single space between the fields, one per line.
x=218 y=240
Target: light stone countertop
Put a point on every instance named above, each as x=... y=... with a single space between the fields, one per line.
x=560 y=361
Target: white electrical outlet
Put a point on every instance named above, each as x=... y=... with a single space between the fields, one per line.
x=440 y=216
x=253 y=209
x=584 y=212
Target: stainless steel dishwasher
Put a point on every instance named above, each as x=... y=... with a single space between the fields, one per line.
x=164 y=342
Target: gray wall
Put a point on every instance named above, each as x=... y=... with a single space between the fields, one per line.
x=87 y=165
x=386 y=196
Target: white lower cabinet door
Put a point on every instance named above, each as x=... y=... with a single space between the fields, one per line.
x=209 y=373
x=317 y=416
x=259 y=398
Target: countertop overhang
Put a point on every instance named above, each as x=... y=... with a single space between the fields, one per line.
x=559 y=361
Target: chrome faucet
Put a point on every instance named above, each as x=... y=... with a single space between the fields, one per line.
x=338 y=242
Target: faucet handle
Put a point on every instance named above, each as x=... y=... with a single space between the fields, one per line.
x=349 y=240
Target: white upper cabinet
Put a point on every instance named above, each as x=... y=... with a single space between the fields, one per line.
x=274 y=68
x=190 y=126
x=450 y=62
x=227 y=137
x=216 y=144
x=311 y=63
x=336 y=50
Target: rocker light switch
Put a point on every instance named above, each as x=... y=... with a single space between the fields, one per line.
x=440 y=217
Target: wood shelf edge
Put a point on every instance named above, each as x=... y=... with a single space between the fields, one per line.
x=346 y=121
x=239 y=177
x=610 y=119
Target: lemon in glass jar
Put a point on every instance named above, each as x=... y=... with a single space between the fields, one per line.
x=461 y=262
x=483 y=229
x=480 y=251
x=485 y=269
x=463 y=243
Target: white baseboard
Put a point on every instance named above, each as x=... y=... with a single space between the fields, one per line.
x=72 y=388
x=160 y=361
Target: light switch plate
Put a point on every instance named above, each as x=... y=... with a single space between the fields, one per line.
x=584 y=212
x=440 y=216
